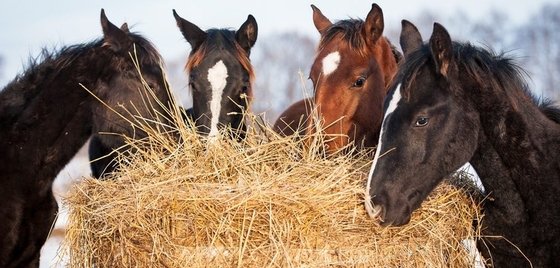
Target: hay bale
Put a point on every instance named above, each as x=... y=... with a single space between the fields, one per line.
x=263 y=202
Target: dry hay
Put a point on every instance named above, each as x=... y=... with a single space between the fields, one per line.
x=263 y=202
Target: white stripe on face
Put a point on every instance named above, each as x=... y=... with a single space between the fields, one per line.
x=217 y=77
x=330 y=63
x=395 y=98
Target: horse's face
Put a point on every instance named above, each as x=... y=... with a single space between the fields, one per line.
x=220 y=74
x=348 y=79
x=349 y=89
x=428 y=132
x=132 y=64
x=221 y=87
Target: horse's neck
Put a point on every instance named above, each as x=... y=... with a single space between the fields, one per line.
x=498 y=182
x=514 y=142
x=48 y=127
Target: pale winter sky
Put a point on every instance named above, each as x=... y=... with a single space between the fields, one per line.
x=29 y=25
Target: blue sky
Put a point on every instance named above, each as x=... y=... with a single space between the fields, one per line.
x=28 y=26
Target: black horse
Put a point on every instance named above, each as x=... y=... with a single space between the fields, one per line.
x=454 y=103
x=49 y=112
x=220 y=79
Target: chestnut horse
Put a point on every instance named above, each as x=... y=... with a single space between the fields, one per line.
x=453 y=103
x=351 y=75
x=46 y=116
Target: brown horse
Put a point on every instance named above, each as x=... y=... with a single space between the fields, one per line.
x=351 y=73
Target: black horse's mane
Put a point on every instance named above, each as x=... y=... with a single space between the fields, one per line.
x=25 y=85
x=496 y=70
x=55 y=58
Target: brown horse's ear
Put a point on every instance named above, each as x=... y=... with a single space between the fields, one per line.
x=321 y=22
x=194 y=35
x=114 y=38
x=410 y=37
x=441 y=48
x=246 y=36
x=374 y=24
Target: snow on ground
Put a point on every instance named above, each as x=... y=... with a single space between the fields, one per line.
x=74 y=171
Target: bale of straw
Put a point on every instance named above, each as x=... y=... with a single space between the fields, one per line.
x=266 y=201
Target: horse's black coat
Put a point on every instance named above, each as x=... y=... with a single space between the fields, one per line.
x=462 y=103
x=46 y=116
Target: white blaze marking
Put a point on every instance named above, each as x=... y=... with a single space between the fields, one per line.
x=217 y=77
x=330 y=62
x=395 y=98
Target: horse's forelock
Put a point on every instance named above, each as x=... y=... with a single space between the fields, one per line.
x=351 y=33
x=196 y=56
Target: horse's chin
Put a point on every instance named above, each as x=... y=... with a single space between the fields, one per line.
x=400 y=221
x=397 y=217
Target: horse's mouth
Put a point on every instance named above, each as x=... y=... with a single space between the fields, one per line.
x=380 y=212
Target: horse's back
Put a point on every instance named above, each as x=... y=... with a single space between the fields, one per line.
x=294 y=119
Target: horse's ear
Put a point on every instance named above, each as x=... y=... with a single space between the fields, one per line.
x=441 y=48
x=374 y=24
x=410 y=38
x=124 y=28
x=246 y=36
x=194 y=35
x=321 y=22
x=114 y=38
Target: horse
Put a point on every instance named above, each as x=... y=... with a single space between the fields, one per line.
x=351 y=74
x=220 y=79
x=453 y=103
x=220 y=75
x=50 y=110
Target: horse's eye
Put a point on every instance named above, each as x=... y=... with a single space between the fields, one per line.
x=244 y=89
x=359 y=82
x=191 y=86
x=422 y=121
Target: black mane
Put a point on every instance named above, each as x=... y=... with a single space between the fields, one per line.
x=487 y=67
x=16 y=92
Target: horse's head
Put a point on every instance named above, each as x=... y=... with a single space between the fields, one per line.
x=428 y=130
x=128 y=64
x=220 y=73
x=351 y=73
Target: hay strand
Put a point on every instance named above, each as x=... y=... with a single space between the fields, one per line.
x=267 y=201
